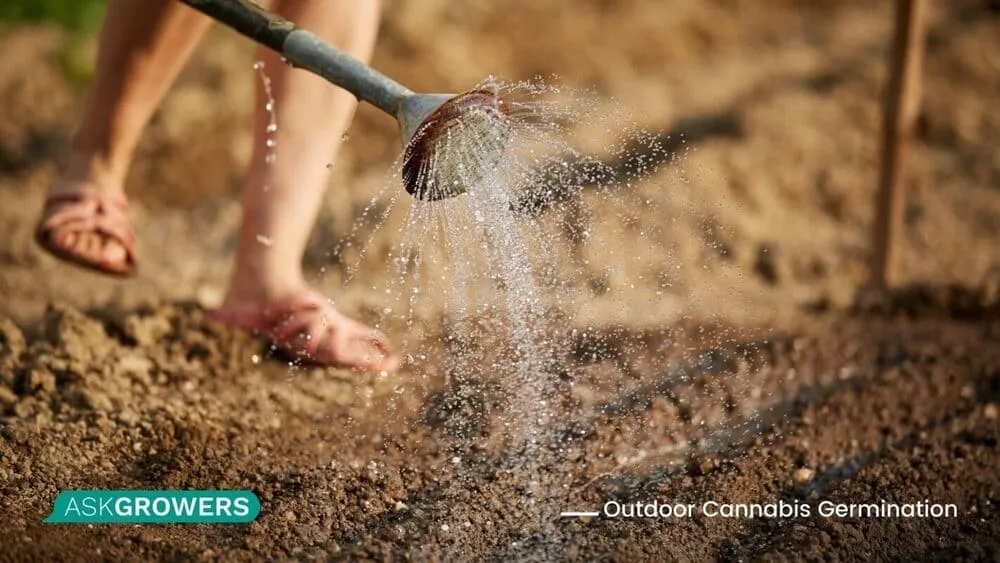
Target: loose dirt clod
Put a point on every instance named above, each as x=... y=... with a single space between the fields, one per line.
x=803 y=475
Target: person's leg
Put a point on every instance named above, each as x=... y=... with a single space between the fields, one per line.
x=281 y=199
x=143 y=46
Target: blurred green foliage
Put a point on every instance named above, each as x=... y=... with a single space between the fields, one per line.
x=80 y=18
x=77 y=16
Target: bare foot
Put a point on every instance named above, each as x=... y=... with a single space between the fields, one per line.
x=308 y=328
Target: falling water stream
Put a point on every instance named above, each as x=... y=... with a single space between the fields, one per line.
x=511 y=261
x=496 y=260
x=505 y=260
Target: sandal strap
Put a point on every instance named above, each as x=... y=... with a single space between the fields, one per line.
x=88 y=210
x=83 y=195
x=300 y=327
x=305 y=316
x=288 y=322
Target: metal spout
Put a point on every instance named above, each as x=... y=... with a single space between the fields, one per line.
x=441 y=132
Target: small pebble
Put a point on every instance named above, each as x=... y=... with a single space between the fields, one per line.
x=399 y=506
x=803 y=475
x=991 y=412
x=445 y=527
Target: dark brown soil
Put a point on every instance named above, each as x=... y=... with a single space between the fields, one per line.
x=758 y=373
x=872 y=406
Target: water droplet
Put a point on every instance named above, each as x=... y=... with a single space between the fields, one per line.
x=266 y=241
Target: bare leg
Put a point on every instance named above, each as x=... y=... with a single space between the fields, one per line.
x=143 y=46
x=281 y=199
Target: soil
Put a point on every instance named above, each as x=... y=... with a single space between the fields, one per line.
x=737 y=358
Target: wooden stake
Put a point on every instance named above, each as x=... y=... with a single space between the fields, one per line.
x=902 y=106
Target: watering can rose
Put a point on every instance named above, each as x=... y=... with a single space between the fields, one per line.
x=154 y=507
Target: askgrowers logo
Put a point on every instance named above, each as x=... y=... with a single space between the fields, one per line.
x=154 y=507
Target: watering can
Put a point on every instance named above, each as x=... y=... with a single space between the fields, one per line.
x=430 y=125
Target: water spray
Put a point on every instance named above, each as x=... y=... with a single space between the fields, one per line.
x=434 y=128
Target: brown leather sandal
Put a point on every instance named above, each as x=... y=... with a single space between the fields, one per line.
x=88 y=211
x=303 y=329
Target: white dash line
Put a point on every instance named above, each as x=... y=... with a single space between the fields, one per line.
x=579 y=514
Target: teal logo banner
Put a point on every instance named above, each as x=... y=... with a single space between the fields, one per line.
x=154 y=507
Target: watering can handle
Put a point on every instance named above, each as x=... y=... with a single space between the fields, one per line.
x=305 y=50
x=248 y=19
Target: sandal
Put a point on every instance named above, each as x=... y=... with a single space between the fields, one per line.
x=87 y=211
x=307 y=328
